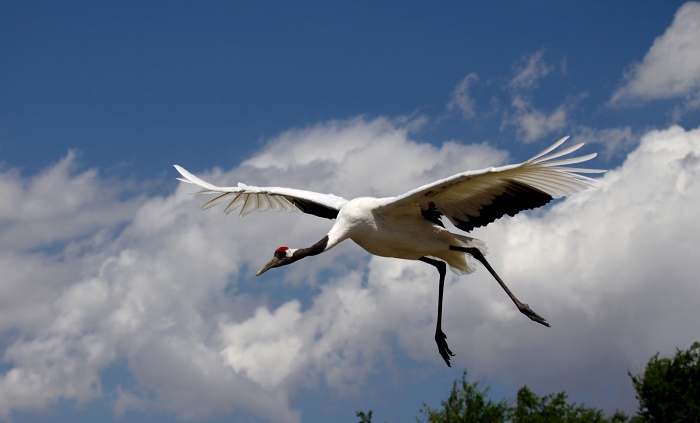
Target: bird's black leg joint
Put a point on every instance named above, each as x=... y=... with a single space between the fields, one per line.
x=524 y=308
x=440 y=337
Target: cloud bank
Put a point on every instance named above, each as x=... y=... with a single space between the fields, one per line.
x=167 y=289
x=91 y=280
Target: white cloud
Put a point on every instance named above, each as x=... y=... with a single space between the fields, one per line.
x=532 y=124
x=154 y=296
x=77 y=212
x=615 y=140
x=671 y=67
x=612 y=269
x=602 y=266
x=530 y=69
x=42 y=210
x=461 y=98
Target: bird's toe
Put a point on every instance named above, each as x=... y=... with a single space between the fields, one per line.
x=443 y=349
x=526 y=310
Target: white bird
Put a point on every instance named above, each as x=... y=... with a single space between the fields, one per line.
x=409 y=226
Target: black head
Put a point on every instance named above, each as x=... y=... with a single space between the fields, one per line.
x=282 y=256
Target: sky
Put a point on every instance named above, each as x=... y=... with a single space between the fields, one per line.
x=120 y=300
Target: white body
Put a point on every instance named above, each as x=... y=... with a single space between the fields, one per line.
x=401 y=232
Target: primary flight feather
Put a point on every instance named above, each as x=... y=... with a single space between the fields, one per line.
x=410 y=226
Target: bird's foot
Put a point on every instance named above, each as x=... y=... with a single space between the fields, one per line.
x=525 y=309
x=444 y=350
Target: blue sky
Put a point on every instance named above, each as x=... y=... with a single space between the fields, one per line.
x=121 y=301
x=148 y=81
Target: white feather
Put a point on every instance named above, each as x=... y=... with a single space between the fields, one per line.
x=252 y=198
x=465 y=194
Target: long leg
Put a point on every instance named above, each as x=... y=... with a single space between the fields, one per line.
x=440 y=337
x=524 y=308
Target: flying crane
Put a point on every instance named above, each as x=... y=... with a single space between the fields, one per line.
x=410 y=226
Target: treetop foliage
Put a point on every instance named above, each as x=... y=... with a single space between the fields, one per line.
x=669 y=388
x=466 y=404
x=668 y=392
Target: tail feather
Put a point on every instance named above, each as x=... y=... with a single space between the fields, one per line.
x=459 y=262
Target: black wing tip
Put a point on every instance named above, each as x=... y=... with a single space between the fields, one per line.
x=315 y=209
x=515 y=198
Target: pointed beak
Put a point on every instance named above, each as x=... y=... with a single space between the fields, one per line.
x=272 y=263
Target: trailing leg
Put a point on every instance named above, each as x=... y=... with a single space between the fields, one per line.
x=524 y=308
x=440 y=337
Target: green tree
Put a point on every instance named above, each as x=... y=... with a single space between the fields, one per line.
x=365 y=417
x=668 y=391
x=530 y=408
x=467 y=403
x=669 y=388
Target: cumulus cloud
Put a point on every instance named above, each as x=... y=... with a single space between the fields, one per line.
x=613 y=270
x=461 y=99
x=671 y=67
x=614 y=258
x=157 y=284
x=42 y=210
x=58 y=207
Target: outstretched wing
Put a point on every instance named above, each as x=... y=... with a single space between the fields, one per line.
x=477 y=198
x=251 y=199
